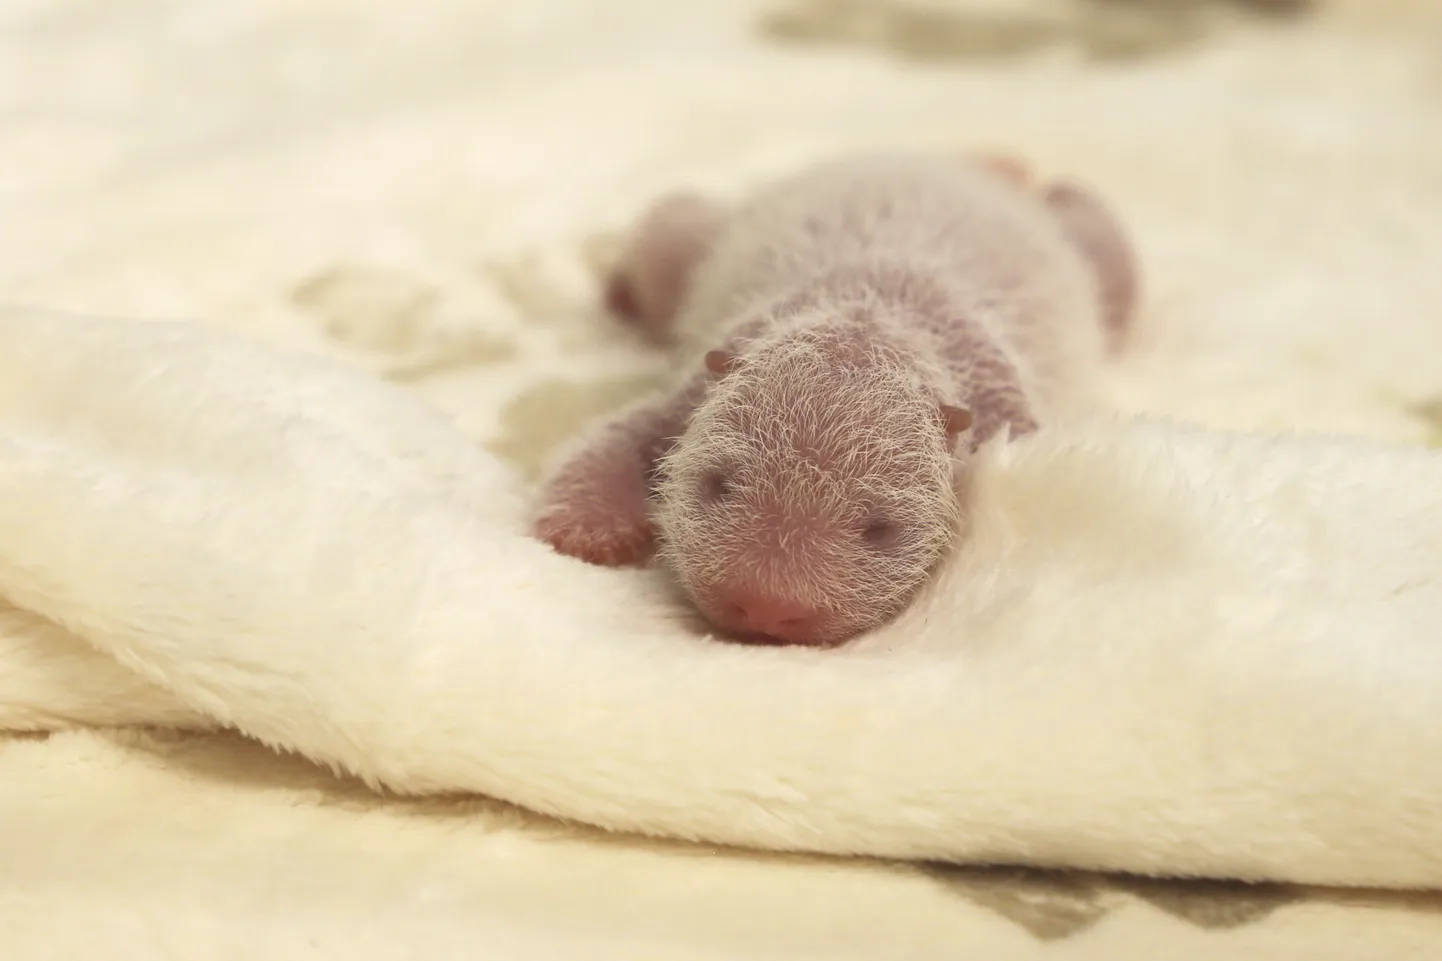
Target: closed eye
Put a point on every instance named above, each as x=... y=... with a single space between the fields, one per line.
x=715 y=486
x=880 y=533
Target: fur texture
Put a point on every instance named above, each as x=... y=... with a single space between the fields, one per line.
x=842 y=514
x=849 y=334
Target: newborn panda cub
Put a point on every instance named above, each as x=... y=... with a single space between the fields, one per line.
x=847 y=336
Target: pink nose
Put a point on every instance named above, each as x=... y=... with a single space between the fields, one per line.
x=781 y=619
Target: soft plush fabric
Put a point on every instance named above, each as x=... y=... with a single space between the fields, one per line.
x=1199 y=638
x=1160 y=649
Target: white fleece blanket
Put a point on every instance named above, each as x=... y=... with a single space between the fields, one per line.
x=1162 y=650
x=1185 y=641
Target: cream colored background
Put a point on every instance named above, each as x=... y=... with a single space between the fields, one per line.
x=424 y=192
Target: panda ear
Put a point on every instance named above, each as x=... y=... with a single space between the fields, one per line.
x=954 y=421
x=720 y=362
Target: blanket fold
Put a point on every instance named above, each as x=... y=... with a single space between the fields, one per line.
x=1161 y=649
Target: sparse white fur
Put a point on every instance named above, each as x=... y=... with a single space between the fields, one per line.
x=859 y=295
x=893 y=425
x=1007 y=264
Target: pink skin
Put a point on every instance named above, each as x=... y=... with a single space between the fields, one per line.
x=831 y=523
x=669 y=240
x=596 y=506
x=1091 y=227
x=762 y=554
